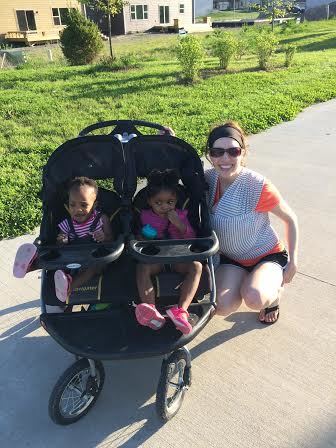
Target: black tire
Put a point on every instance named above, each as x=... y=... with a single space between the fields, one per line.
x=172 y=385
x=82 y=389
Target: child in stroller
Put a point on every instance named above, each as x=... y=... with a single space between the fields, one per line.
x=164 y=220
x=86 y=224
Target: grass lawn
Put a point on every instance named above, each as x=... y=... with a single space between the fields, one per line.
x=42 y=107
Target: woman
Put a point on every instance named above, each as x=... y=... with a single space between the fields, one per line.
x=253 y=262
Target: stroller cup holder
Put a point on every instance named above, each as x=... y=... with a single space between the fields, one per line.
x=83 y=255
x=173 y=251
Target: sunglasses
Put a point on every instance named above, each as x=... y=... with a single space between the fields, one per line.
x=219 y=152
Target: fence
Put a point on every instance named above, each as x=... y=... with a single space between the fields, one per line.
x=14 y=57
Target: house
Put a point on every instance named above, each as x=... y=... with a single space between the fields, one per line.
x=34 y=21
x=320 y=9
x=139 y=16
x=203 y=7
x=313 y=3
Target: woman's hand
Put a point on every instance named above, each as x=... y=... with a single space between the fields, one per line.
x=289 y=272
x=62 y=238
x=167 y=131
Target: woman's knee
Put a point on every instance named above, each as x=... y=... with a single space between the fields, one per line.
x=227 y=304
x=252 y=297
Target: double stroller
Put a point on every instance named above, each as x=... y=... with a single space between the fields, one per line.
x=100 y=321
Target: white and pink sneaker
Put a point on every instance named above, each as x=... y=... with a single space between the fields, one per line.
x=179 y=316
x=147 y=315
x=24 y=258
x=62 y=285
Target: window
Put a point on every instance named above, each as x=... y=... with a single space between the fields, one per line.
x=26 y=20
x=60 y=16
x=181 y=8
x=139 y=12
x=164 y=14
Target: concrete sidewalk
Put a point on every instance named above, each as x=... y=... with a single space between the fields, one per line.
x=253 y=385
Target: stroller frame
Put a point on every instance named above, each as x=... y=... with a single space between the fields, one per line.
x=75 y=331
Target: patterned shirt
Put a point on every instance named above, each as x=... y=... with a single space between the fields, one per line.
x=163 y=226
x=82 y=229
x=240 y=216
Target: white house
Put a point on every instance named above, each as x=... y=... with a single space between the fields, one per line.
x=314 y=3
x=203 y=7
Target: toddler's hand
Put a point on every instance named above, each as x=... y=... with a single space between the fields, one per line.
x=62 y=238
x=99 y=236
x=176 y=221
x=173 y=217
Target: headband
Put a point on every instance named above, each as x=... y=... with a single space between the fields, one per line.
x=224 y=131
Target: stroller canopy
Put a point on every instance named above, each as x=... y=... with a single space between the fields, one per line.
x=94 y=156
x=148 y=152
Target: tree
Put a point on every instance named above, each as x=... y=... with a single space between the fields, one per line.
x=108 y=8
x=274 y=8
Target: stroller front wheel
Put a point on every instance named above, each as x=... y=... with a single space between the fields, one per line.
x=76 y=392
x=174 y=380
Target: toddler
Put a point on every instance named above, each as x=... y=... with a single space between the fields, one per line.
x=164 y=221
x=86 y=224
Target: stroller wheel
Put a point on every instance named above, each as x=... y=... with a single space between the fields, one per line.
x=174 y=380
x=75 y=392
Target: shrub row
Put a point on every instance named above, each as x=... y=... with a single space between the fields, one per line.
x=225 y=45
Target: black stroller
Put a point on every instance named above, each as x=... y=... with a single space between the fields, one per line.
x=117 y=160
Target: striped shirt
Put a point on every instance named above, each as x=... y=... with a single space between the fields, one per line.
x=82 y=229
x=163 y=226
x=240 y=216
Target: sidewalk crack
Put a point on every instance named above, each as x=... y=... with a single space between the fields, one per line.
x=317 y=279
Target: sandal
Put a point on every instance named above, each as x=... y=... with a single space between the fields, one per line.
x=24 y=258
x=270 y=310
x=62 y=285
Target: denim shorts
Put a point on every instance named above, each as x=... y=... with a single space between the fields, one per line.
x=280 y=258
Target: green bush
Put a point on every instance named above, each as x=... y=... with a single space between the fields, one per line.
x=265 y=44
x=222 y=45
x=124 y=62
x=290 y=51
x=80 y=41
x=190 y=56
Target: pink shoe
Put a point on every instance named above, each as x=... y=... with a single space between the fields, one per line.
x=24 y=258
x=180 y=319
x=147 y=315
x=62 y=285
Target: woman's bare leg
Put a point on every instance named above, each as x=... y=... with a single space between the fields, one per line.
x=229 y=280
x=144 y=281
x=192 y=272
x=262 y=288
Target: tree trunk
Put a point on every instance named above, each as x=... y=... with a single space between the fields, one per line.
x=110 y=36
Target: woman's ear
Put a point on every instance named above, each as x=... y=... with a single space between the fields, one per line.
x=208 y=158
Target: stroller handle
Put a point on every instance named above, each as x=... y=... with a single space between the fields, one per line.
x=174 y=251
x=128 y=126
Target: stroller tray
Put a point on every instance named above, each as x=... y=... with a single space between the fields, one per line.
x=115 y=333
